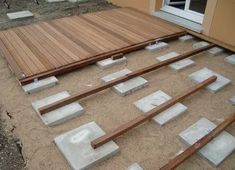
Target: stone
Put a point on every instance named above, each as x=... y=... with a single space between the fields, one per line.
x=186 y=38
x=215 y=51
x=230 y=59
x=75 y=146
x=51 y=1
x=154 y=100
x=215 y=151
x=157 y=46
x=20 y=15
x=135 y=166
x=204 y=74
x=126 y=87
x=110 y=62
x=179 y=65
x=200 y=44
x=39 y=85
x=61 y=114
x=232 y=100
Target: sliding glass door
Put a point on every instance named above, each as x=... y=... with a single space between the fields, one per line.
x=190 y=9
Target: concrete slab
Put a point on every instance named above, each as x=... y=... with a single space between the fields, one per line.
x=186 y=38
x=179 y=65
x=232 y=100
x=215 y=51
x=230 y=59
x=204 y=74
x=61 y=114
x=20 y=15
x=40 y=85
x=126 y=87
x=110 y=62
x=154 y=100
x=200 y=44
x=75 y=146
x=135 y=166
x=215 y=151
x=157 y=46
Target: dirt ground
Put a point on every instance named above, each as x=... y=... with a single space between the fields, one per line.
x=47 y=11
x=150 y=145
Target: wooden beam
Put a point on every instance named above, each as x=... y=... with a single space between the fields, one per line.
x=149 y=115
x=172 y=164
x=83 y=63
x=109 y=84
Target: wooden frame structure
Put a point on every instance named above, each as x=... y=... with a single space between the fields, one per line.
x=172 y=164
x=129 y=76
x=149 y=115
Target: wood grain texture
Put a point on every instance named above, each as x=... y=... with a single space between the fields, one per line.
x=39 y=50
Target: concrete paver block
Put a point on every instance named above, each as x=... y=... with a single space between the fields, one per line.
x=200 y=44
x=204 y=74
x=51 y=1
x=75 y=146
x=230 y=59
x=179 y=65
x=186 y=38
x=232 y=100
x=215 y=51
x=110 y=62
x=126 y=87
x=61 y=114
x=40 y=84
x=215 y=151
x=157 y=46
x=154 y=100
x=20 y=15
x=135 y=166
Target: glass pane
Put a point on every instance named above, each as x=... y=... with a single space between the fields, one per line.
x=198 y=6
x=180 y=4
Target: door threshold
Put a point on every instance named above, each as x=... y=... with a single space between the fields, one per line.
x=179 y=21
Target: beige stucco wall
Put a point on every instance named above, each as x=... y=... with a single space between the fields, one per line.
x=223 y=23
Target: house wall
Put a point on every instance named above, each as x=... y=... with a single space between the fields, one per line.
x=223 y=23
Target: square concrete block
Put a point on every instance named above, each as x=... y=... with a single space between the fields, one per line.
x=126 y=87
x=154 y=100
x=215 y=51
x=20 y=15
x=215 y=151
x=135 y=166
x=40 y=85
x=75 y=146
x=51 y=1
x=186 y=38
x=204 y=74
x=230 y=59
x=61 y=114
x=232 y=100
x=110 y=62
x=179 y=65
x=200 y=44
x=157 y=46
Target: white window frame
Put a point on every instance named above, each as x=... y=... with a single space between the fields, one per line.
x=186 y=13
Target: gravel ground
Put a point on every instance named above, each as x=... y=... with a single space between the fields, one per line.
x=46 y=11
x=10 y=148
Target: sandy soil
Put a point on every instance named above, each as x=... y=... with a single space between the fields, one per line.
x=46 y=11
x=150 y=145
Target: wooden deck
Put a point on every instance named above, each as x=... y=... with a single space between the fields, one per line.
x=50 y=48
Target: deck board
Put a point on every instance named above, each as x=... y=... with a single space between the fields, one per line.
x=40 y=48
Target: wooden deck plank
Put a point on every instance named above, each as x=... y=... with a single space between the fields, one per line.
x=52 y=47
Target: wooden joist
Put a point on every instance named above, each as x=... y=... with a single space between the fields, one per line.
x=149 y=115
x=104 y=86
x=172 y=164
